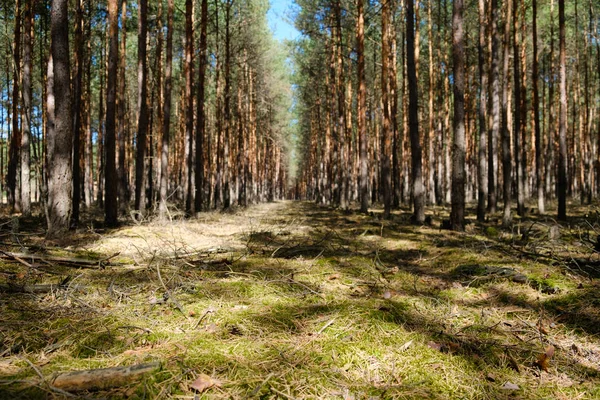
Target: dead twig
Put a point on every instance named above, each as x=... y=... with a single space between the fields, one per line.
x=208 y=311
x=103 y=378
x=16 y=258
x=327 y=325
x=171 y=297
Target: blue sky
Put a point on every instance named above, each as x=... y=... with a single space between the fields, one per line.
x=279 y=16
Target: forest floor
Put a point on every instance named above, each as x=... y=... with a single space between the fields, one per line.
x=291 y=300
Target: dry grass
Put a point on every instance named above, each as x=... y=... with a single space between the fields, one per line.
x=288 y=300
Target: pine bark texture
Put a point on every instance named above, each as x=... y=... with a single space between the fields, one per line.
x=361 y=112
x=482 y=171
x=494 y=108
x=165 y=133
x=201 y=110
x=386 y=127
x=457 y=215
x=506 y=148
x=142 y=131
x=60 y=178
x=418 y=191
x=562 y=117
x=27 y=109
x=13 y=192
x=110 y=174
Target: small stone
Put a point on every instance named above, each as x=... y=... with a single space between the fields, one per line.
x=510 y=386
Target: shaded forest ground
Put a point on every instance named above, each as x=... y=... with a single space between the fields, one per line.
x=291 y=300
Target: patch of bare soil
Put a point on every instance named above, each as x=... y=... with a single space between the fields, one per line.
x=212 y=232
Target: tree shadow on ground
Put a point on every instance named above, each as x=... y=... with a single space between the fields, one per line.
x=355 y=252
x=488 y=352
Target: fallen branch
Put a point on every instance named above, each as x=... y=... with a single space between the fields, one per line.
x=97 y=379
x=16 y=258
x=79 y=262
x=37 y=289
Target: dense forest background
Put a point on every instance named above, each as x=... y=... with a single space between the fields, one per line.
x=179 y=102
x=134 y=105
x=438 y=102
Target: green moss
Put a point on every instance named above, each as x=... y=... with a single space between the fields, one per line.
x=492 y=232
x=394 y=317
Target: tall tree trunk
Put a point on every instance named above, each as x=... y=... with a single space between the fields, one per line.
x=189 y=103
x=15 y=140
x=457 y=216
x=591 y=153
x=361 y=110
x=494 y=109
x=201 y=113
x=50 y=124
x=101 y=149
x=432 y=134
x=397 y=154
x=517 y=116
x=27 y=109
x=164 y=151
x=330 y=126
x=89 y=141
x=524 y=190
x=227 y=108
x=539 y=167
x=413 y=118
x=506 y=151
x=243 y=85
x=155 y=167
x=551 y=134
x=386 y=131
x=219 y=166
x=142 y=125
x=77 y=111
x=61 y=141
x=562 y=123
x=122 y=103
x=439 y=145
x=446 y=112
x=339 y=155
x=482 y=176
x=110 y=174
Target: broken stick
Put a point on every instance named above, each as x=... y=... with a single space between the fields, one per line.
x=97 y=379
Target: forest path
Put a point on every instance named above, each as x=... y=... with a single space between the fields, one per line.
x=215 y=232
x=294 y=300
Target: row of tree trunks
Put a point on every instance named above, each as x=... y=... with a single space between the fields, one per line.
x=497 y=127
